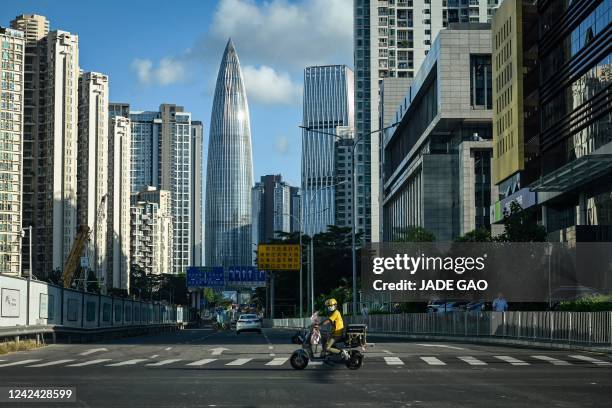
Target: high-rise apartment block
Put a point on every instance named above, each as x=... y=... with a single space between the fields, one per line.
x=92 y=167
x=328 y=105
x=50 y=140
x=118 y=230
x=392 y=38
x=162 y=157
x=12 y=47
x=197 y=141
x=151 y=233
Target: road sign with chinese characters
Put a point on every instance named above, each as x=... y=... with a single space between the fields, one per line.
x=278 y=257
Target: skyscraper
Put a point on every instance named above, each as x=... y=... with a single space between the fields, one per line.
x=50 y=140
x=92 y=166
x=229 y=174
x=11 y=137
x=392 y=40
x=161 y=155
x=197 y=139
x=328 y=104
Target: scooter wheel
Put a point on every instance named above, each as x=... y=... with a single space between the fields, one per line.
x=299 y=360
x=355 y=360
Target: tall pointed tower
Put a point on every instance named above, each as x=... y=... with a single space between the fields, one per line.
x=229 y=174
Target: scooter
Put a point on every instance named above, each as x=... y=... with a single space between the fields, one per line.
x=313 y=348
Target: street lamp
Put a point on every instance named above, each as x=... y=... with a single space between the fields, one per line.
x=356 y=142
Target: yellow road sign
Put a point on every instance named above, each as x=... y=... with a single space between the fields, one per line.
x=278 y=257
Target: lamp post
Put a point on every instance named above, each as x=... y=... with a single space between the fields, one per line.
x=356 y=142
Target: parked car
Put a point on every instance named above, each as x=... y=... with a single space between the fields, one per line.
x=476 y=306
x=445 y=305
x=248 y=322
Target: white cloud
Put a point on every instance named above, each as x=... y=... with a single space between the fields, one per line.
x=265 y=85
x=282 y=144
x=168 y=71
x=280 y=33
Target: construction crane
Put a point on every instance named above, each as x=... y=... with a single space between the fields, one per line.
x=80 y=240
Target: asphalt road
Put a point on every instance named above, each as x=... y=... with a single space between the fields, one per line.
x=203 y=368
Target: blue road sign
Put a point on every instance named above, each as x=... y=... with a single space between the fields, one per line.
x=205 y=277
x=246 y=276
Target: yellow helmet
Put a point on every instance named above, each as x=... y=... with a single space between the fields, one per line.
x=331 y=302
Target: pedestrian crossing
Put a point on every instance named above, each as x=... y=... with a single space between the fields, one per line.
x=411 y=361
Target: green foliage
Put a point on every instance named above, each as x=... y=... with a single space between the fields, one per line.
x=343 y=294
x=479 y=235
x=597 y=303
x=414 y=234
x=520 y=226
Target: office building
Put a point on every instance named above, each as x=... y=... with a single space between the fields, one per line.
x=392 y=38
x=118 y=109
x=552 y=129
x=343 y=168
x=12 y=44
x=295 y=195
x=50 y=140
x=197 y=141
x=151 y=231
x=92 y=167
x=118 y=203
x=229 y=173
x=437 y=160
x=328 y=104
x=272 y=208
x=162 y=157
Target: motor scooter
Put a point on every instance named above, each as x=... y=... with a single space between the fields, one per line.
x=313 y=347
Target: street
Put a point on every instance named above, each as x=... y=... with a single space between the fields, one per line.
x=201 y=367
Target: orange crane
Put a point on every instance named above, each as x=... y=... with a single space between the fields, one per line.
x=80 y=240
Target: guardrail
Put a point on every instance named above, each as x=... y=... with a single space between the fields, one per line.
x=29 y=307
x=592 y=329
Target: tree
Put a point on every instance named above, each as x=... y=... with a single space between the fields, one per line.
x=478 y=235
x=520 y=226
x=414 y=234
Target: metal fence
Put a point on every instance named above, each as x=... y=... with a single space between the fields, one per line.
x=579 y=328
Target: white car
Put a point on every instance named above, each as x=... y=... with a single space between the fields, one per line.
x=248 y=322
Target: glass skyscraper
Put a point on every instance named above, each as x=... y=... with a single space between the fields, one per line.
x=328 y=104
x=229 y=175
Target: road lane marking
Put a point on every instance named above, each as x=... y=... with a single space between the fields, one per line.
x=393 y=361
x=553 y=361
x=218 y=351
x=270 y=347
x=52 y=363
x=90 y=362
x=127 y=362
x=154 y=356
x=164 y=362
x=387 y=352
x=513 y=361
x=277 y=361
x=239 y=361
x=472 y=360
x=442 y=346
x=202 y=362
x=168 y=348
x=91 y=351
x=584 y=358
x=315 y=363
x=433 y=361
x=22 y=362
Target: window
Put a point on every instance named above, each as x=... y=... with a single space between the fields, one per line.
x=480 y=82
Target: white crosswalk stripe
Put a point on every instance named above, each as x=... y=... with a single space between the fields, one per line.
x=127 y=362
x=239 y=361
x=315 y=363
x=472 y=360
x=393 y=361
x=278 y=361
x=51 y=363
x=90 y=362
x=164 y=362
x=22 y=362
x=552 y=360
x=591 y=360
x=433 y=361
x=512 y=360
x=202 y=362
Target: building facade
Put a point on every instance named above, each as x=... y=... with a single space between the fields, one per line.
x=437 y=160
x=50 y=153
x=92 y=167
x=197 y=141
x=553 y=132
x=151 y=231
x=229 y=173
x=328 y=104
x=392 y=38
x=118 y=218
x=12 y=46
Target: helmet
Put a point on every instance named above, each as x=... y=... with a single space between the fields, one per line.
x=331 y=302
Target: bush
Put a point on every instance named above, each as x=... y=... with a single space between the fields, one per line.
x=23 y=345
x=597 y=303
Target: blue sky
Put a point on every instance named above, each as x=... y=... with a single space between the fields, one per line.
x=158 y=51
